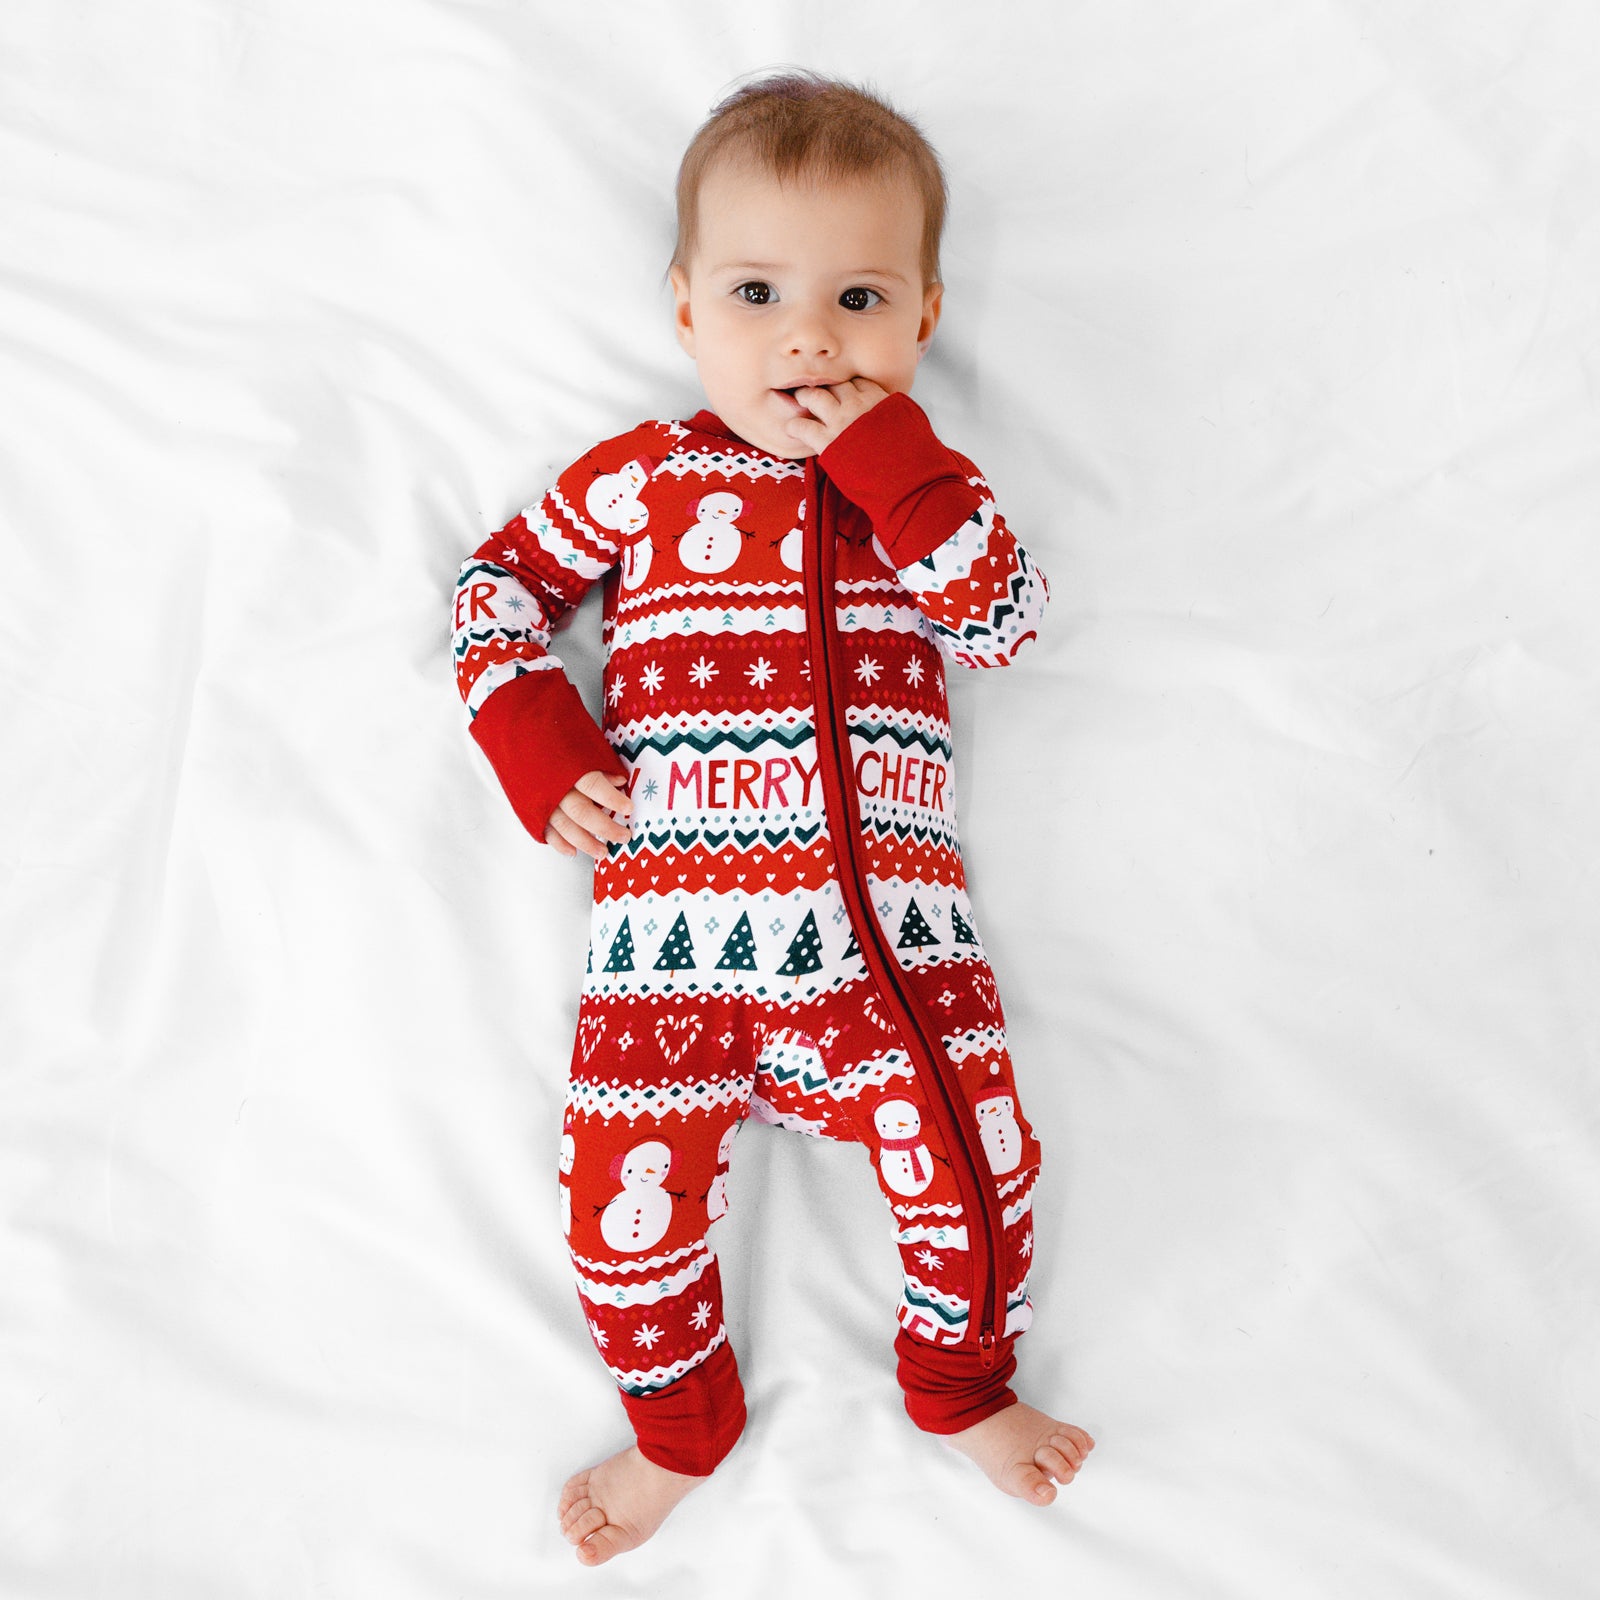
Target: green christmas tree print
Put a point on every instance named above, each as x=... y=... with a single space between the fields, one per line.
x=678 y=951
x=805 y=950
x=739 y=950
x=914 y=929
x=854 y=949
x=621 y=957
x=963 y=931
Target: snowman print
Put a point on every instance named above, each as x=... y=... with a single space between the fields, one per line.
x=717 y=1197
x=789 y=547
x=569 y=1153
x=713 y=543
x=996 y=1111
x=904 y=1160
x=637 y=1219
x=612 y=500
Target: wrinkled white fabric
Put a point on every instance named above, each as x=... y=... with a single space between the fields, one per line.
x=1275 y=328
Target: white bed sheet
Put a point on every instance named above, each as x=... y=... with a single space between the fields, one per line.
x=1276 y=328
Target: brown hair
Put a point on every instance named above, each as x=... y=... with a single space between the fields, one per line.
x=803 y=123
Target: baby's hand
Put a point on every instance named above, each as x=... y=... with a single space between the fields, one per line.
x=583 y=822
x=832 y=410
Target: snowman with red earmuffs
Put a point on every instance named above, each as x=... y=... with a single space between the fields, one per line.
x=714 y=542
x=638 y=1218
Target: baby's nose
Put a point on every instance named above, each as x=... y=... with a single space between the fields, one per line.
x=812 y=334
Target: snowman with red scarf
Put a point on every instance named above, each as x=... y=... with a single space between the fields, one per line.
x=904 y=1160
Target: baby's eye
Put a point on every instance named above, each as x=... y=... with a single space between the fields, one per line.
x=859 y=299
x=754 y=294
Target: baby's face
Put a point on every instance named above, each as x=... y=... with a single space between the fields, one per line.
x=801 y=283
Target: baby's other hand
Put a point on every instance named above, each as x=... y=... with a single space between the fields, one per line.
x=583 y=820
x=832 y=410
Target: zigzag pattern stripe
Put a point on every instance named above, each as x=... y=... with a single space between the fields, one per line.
x=650 y=600
x=643 y=1263
x=873 y=1074
x=1022 y=1178
x=625 y=1295
x=951 y=1309
x=974 y=1042
x=648 y=1380
x=703 y=463
x=704 y=741
x=633 y=1101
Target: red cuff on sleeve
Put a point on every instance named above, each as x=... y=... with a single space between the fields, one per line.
x=540 y=739
x=914 y=491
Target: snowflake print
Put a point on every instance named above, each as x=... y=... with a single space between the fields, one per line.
x=702 y=672
x=760 y=672
x=929 y=1260
x=702 y=1315
x=914 y=670
x=650 y=787
x=615 y=693
x=867 y=670
x=625 y=1040
x=509 y=555
x=652 y=677
x=647 y=1336
x=599 y=1334
x=511 y=602
x=946 y=999
x=1027 y=1243
x=826 y=1041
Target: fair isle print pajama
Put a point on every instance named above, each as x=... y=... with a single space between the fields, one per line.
x=787 y=933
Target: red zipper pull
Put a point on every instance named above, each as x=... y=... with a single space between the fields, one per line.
x=986 y=1347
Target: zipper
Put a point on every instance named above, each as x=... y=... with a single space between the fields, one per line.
x=949 y=1106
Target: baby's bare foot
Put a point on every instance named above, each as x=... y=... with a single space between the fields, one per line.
x=617 y=1505
x=1021 y=1449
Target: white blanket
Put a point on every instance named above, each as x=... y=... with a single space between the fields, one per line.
x=1275 y=326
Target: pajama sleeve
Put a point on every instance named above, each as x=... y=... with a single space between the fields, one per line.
x=526 y=716
x=933 y=515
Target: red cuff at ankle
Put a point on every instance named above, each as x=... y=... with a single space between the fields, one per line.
x=946 y=1386
x=692 y=1424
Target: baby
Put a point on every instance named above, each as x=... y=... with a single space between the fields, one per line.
x=781 y=926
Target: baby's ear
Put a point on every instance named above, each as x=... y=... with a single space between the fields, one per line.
x=932 y=304
x=682 y=317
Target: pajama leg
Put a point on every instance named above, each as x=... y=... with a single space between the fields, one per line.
x=860 y=1082
x=659 y=1088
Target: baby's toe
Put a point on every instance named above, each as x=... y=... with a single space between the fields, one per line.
x=1027 y=1482
x=581 y=1521
x=608 y=1541
x=573 y=1490
x=1057 y=1463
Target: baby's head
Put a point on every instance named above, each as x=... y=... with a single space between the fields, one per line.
x=809 y=219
